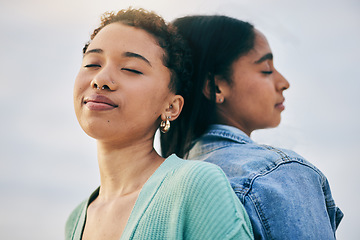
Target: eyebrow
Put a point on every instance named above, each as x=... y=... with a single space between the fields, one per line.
x=135 y=55
x=125 y=54
x=268 y=56
x=96 y=50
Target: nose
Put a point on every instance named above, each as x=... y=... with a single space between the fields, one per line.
x=103 y=80
x=281 y=82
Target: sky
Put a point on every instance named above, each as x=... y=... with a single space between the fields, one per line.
x=48 y=164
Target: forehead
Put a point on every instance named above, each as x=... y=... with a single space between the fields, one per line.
x=261 y=45
x=117 y=38
x=259 y=54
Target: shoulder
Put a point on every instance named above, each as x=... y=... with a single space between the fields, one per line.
x=212 y=208
x=252 y=159
x=199 y=172
x=289 y=156
x=199 y=179
x=251 y=163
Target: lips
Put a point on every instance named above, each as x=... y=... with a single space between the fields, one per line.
x=280 y=105
x=99 y=102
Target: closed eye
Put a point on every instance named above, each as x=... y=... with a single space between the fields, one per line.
x=92 y=65
x=132 y=70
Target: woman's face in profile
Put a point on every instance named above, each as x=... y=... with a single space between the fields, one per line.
x=122 y=86
x=255 y=98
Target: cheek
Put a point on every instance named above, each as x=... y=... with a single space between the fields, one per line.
x=261 y=92
x=156 y=92
x=144 y=100
x=253 y=102
x=79 y=85
x=78 y=93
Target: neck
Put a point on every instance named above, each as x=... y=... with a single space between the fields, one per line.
x=124 y=170
x=226 y=119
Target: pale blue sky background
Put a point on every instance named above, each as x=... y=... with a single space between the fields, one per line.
x=48 y=165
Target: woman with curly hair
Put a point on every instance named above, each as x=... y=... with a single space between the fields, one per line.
x=133 y=75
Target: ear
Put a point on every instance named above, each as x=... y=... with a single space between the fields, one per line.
x=174 y=108
x=221 y=88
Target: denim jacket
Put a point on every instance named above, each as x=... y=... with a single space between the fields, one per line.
x=286 y=197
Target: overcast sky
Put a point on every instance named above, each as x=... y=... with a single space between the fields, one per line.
x=48 y=165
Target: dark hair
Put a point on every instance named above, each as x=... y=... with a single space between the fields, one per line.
x=176 y=53
x=216 y=42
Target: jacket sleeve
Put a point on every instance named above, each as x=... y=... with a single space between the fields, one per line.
x=291 y=202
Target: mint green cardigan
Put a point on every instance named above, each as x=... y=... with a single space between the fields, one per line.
x=181 y=200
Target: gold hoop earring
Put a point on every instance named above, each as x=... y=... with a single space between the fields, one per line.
x=165 y=125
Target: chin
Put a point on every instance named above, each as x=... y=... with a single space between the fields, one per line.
x=277 y=123
x=96 y=130
x=274 y=123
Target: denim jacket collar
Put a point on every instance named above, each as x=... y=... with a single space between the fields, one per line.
x=224 y=136
x=228 y=132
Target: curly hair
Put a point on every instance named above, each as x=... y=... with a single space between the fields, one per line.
x=176 y=52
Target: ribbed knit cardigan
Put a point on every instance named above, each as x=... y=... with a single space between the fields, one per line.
x=181 y=200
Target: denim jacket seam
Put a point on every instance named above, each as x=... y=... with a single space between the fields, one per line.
x=264 y=222
x=227 y=135
x=283 y=155
x=283 y=159
x=252 y=178
x=206 y=151
x=330 y=203
x=244 y=191
x=287 y=158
